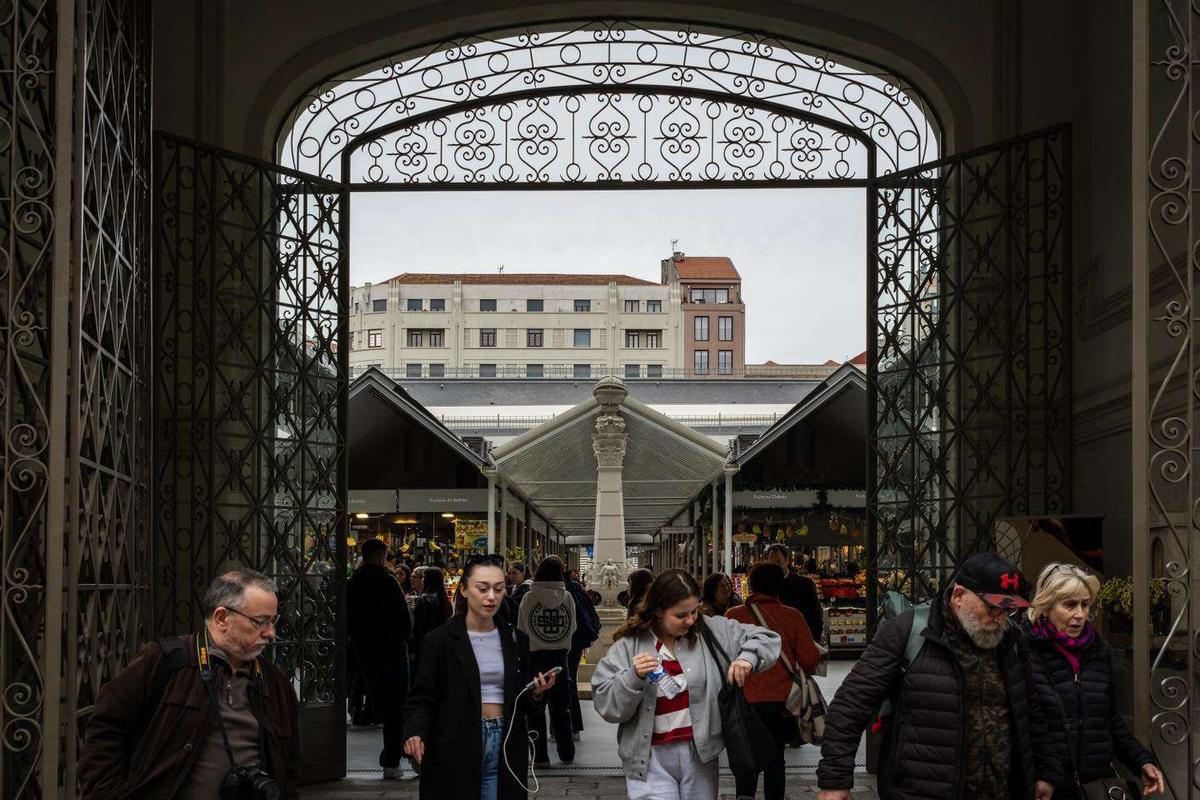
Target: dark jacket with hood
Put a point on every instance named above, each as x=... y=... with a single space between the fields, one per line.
x=444 y=707
x=924 y=747
x=1089 y=699
x=133 y=752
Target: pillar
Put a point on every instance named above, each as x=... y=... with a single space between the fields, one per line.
x=716 y=539
x=502 y=538
x=608 y=444
x=491 y=504
x=729 y=473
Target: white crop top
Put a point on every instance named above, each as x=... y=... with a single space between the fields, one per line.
x=490 y=658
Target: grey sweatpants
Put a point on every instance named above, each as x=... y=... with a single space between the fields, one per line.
x=676 y=773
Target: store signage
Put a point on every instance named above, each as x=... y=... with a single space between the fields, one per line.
x=372 y=501
x=676 y=530
x=441 y=500
x=837 y=498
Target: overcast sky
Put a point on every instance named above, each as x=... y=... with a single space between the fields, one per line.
x=801 y=252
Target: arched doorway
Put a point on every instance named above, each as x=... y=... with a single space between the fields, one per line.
x=966 y=277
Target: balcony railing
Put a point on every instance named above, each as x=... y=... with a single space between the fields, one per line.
x=597 y=371
x=500 y=422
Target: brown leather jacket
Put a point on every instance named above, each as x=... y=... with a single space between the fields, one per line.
x=138 y=753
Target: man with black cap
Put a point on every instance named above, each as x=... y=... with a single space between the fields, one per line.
x=967 y=724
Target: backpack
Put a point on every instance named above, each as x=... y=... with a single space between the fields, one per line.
x=895 y=604
x=588 y=621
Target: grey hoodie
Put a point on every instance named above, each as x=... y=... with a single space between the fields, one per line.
x=547 y=616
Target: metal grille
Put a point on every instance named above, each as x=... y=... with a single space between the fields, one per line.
x=969 y=383
x=1165 y=434
x=251 y=383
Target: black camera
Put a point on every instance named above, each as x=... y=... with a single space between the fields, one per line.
x=248 y=783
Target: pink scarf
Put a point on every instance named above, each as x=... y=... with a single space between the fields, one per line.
x=1071 y=648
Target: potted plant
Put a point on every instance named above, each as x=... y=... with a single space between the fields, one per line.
x=1114 y=606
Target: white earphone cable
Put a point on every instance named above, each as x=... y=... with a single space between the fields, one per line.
x=504 y=750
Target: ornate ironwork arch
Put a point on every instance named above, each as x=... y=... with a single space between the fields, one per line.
x=630 y=59
x=609 y=134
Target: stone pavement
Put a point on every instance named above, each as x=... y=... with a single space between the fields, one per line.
x=581 y=787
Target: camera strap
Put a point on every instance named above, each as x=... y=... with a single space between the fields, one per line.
x=206 y=675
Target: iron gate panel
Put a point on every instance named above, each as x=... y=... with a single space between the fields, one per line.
x=250 y=448
x=969 y=383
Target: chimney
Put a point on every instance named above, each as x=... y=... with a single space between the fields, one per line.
x=677 y=255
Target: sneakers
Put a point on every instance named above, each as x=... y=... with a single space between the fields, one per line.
x=391 y=773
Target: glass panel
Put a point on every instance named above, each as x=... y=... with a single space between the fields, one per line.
x=379 y=305
x=533 y=370
x=437 y=304
x=582 y=371
x=487 y=370
x=533 y=305
x=583 y=305
x=413 y=370
x=583 y=338
x=414 y=304
x=437 y=370
x=487 y=305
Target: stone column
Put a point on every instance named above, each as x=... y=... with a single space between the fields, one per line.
x=491 y=511
x=608 y=443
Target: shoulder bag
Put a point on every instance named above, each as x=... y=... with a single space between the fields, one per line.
x=750 y=746
x=1107 y=788
x=804 y=701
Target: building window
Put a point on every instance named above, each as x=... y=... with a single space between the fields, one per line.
x=632 y=339
x=487 y=337
x=700 y=362
x=437 y=305
x=700 y=329
x=533 y=370
x=437 y=370
x=375 y=338
x=710 y=295
x=534 y=337
x=633 y=306
x=583 y=337
x=379 y=305
x=654 y=306
x=415 y=304
x=654 y=370
x=583 y=305
x=633 y=370
x=487 y=305
x=725 y=362
x=725 y=329
x=487 y=370
x=435 y=339
x=653 y=339
x=412 y=370
x=582 y=371
x=533 y=305
x=414 y=338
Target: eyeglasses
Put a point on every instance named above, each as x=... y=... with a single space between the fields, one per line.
x=258 y=622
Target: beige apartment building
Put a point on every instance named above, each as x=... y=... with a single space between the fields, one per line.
x=544 y=325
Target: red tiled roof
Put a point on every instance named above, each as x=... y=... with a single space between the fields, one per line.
x=832 y=363
x=704 y=268
x=859 y=359
x=519 y=278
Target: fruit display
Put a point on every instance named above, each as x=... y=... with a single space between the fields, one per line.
x=846 y=627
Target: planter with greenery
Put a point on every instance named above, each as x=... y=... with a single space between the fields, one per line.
x=1114 y=606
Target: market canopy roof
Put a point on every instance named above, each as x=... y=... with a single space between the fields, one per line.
x=666 y=465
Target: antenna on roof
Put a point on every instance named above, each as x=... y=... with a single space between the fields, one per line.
x=674 y=245
x=501 y=269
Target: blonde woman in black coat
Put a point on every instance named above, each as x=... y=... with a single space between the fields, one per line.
x=1072 y=668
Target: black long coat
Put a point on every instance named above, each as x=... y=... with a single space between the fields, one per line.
x=444 y=706
x=1100 y=732
x=923 y=749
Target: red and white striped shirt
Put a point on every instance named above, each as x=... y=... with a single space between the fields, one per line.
x=672 y=716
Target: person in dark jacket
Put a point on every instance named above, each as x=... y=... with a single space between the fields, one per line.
x=432 y=608
x=465 y=717
x=587 y=631
x=548 y=617
x=166 y=746
x=716 y=595
x=969 y=725
x=639 y=583
x=520 y=581
x=1072 y=668
x=799 y=591
x=379 y=630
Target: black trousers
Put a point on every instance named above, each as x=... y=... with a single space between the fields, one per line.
x=774 y=777
x=573 y=659
x=387 y=685
x=558 y=706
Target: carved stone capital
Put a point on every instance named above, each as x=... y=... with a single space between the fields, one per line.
x=609 y=440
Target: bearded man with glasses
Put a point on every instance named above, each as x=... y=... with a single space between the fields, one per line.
x=967 y=722
x=202 y=715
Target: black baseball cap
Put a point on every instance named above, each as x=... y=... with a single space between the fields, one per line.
x=994 y=579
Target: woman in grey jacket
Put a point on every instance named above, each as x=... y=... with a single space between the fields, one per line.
x=660 y=684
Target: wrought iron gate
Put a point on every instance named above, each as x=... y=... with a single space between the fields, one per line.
x=969 y=379
x=250 y=403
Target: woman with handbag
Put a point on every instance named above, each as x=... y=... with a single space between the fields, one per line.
x=1072 y=669
x=769 y=692
x=660 y=682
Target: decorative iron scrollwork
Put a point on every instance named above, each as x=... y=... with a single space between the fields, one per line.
x=605 y=137
x=626 y=59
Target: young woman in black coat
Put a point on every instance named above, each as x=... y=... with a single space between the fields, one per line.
x=463 y=717
x=1072 y=668
x=431 y=610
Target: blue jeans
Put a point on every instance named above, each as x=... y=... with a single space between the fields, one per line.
x=493 y=733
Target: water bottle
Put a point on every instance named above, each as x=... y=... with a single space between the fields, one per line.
x=668 y=687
